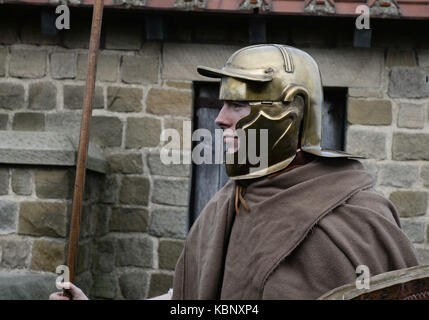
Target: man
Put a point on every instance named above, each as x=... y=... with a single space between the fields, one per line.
x=301 y=225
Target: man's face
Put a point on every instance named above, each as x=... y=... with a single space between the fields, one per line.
x=229 y=115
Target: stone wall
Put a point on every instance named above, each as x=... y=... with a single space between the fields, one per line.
x=389 y=124
x=144 y=204
x=35 y=206
x=144 y=87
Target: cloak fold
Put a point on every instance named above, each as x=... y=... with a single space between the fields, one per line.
x=308 y=230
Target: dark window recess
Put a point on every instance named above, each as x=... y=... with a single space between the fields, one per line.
x=334 y=118
x=207 y=179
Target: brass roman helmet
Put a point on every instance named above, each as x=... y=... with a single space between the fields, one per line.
x=282 y=85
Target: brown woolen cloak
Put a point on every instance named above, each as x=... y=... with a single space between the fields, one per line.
x=307 y=231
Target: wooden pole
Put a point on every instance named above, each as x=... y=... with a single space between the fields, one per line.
x=79 y=185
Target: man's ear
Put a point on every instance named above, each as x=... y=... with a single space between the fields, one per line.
x=299 y=101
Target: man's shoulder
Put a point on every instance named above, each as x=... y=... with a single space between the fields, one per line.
x=371 y=201
x=368 y=215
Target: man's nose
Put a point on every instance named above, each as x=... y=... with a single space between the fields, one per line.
x=223 y=120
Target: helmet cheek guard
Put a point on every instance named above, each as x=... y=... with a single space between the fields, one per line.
x=283 y=87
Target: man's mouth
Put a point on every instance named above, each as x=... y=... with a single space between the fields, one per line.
x=231 y=143
x=225 y=138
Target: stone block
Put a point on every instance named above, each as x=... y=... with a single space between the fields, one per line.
x=169 y=102
x=106 y=131
x=365 y=142
x=107 y=67
x=142 y=132
x=169 y=252
x=133 y=285
x=104 y=255
x=349 y=67
x=122 y=99
x=15 y=253
x=398 y=175
x=92 y=186
x=424 y=173
x=140 y=69
x=124 y=36
x=134 y=190
x=408 y=83
x=4 y=118
x=25 y=63
x=410 y=203
x=109 y=193
x=22 y=182
x=400 y=58
x=180 y=60
x=42 y=96
x=414 y=230
x=26 y=285
x=28 y=121
x=156 y=167
x=3 y=55
x=125 y=163
x=102 y=213
x=43 y=219
x=169 y=222
x=63 y=65
x=53 y=184
x=369 y=112
x=409 y=146
x=177 y=124
x=423 y=256
x=68 y=122
x=365 y=92
x=423 y=57
x=4 y=181
x=160 y=283
x=85 y=282
x=370 y=166
x=105 y=286
x=411 y=116
x=129 y=220
x=84 y=257
x=11 y=96
x=43 y=148
x=171 y=192
x=180 y=84
x=8 y=216
x=134 y=251
x=47 y=255
x=88 y=221
x=74 y=95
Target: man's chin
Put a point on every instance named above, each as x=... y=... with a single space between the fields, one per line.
x=231 y=150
